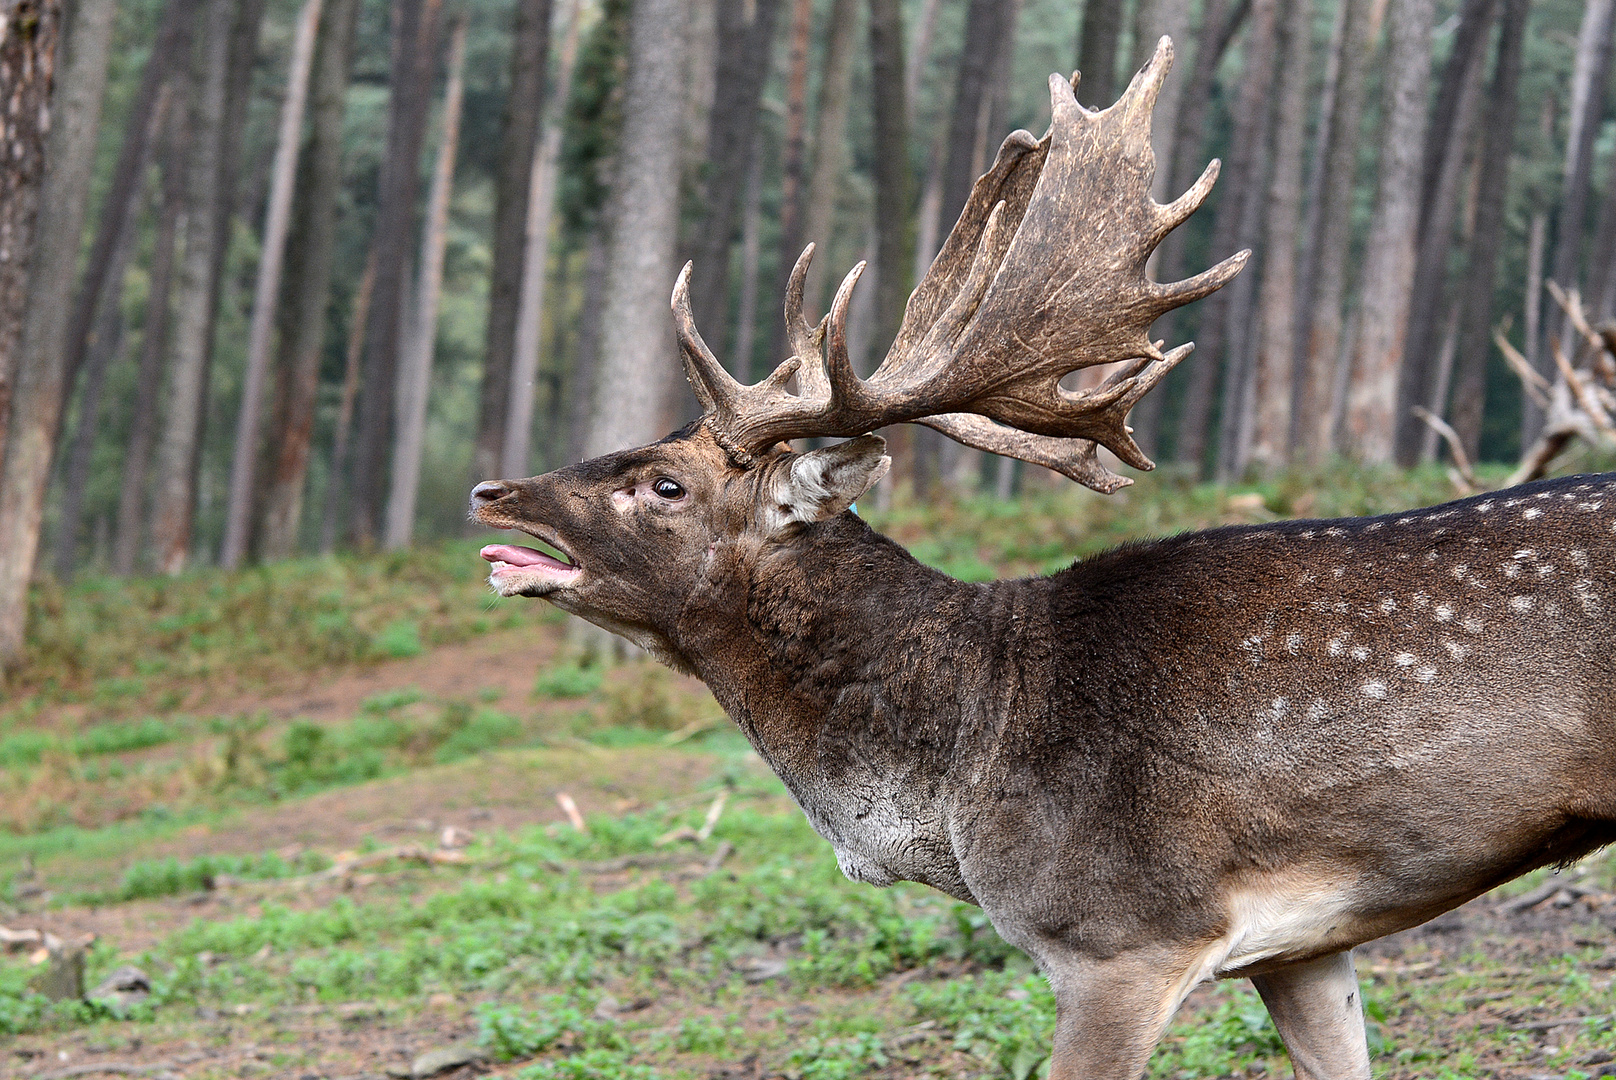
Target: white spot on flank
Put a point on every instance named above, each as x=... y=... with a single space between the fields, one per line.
x=1388 y=605
x=1526 y=553
x=1340 y=607
x=1585 y=506
x=1420 y=600
x=1425 y=673
x=1405 y=521
x=1521 y=603
x=1340 y=571
x=1306 y=534
x=1473 y=625
x=1404 y=659
x=1531 y=512
x=1544 y=569
x=1317 y=710
x=1586 y=596
x=1443 y=613
x=1374 y=688
x=1306 y=579
x=1334 y=531
x=1511 y=570
x=1430 y=556
x=1360 y=652
x=1579 y=558
x=1457 y=650
x=1335 y=646
x=1460 y=571
x=1485 y=506
x=1510 y=504
x=1293 y=644
x=1374 y=525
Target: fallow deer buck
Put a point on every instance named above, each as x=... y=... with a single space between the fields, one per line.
x=1236 y=753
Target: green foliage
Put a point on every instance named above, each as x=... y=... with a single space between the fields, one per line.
x=399 y=639
x=569 y=679
x=150 y=878
x=516 y=1033
x=590 y=1065
x=836 y=1059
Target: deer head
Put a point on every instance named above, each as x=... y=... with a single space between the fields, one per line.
x=1043 y=275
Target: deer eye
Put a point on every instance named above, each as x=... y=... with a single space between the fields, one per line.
x=668 y=489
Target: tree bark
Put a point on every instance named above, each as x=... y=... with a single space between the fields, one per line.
x=1324 y=276
x=415 y=374
x=535 y=262
x=154 y=334
x=751 y=252
x=636 y=330
x=1498 y=137
x=1153 y=20
x=1276 y=344
x=304 y=302
x=793 y=160
x=172 y=45
x=74 y=120
x=1253 y=125
x=1097 y=52
x=830 y=146
x=1388 y=266
x=1451 y=130
x=172 y=516
x=277 y=222
x=28 y=39
x=104 y=343
x=894 y=222
x=1240 y=171
x=358 y=320
x=586 y=350
x=989 y=26
x=513 y=175
x=414 y=45
x=745 y=36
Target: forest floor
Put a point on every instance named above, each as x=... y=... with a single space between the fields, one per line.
x=375 y=867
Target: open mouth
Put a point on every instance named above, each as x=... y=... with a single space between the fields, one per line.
x=526 y=571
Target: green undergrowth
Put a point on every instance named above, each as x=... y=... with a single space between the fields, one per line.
x=143 y=642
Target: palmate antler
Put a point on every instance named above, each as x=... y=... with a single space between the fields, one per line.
x=1043 y=275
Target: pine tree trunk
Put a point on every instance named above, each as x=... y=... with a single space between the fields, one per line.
x=154 y=334
x=415 y=374
x=830 y=147
x=414 y=46
x=745 y=36
x=636 y=331
x=1153 y=20
x=172 y=515
x=751 y=252
x=513 y=173
x=1451 y=130
x=1388 y=266
x=1324 y=276
x=172 y=45
x=793 y=159
x=535 y=263
x=1275 y=360
x=28 y=43
x=1498 y=136
x=335 y=487
x=302 y=311
x=894 y=223
x=277 y=222
x=64 y=189
x=586 y=350
x=1097 y=52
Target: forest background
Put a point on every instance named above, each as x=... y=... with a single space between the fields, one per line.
x=282 y=276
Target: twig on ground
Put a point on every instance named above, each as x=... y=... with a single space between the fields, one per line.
x=714 y=812
x=695 y=727
x=570 y=808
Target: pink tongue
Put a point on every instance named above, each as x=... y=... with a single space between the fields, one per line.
x=521 y=556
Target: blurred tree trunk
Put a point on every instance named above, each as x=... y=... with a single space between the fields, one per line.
x=1388 y=265
x=173 y=44
x=1153 y=20
x=751 y=252
x=586 y=349
x=277 y=222
x=28 y=41
x=1253 y=127
x=73 y=116
x=793 y=160
x=830 y=146
x=1097 y=52
x=154 y=334
x=636 y=340
x=1220 y=21
x=104 y=343
x=1240 y=171
x=1275 y=358
x=535 y=265
x=745 y=39
x=415 y=374
x=894 y=223
x=1589 y=78
x=1476 y=293
x=172 y=515
x=1324 y=273
x=414 y=47
x=307 y=295
x=358 y=320
x=513 y=173
x=1451 y=129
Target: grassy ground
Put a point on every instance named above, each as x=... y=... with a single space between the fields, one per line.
x=320 y=805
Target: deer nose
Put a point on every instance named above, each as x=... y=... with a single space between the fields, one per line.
x=488 y=491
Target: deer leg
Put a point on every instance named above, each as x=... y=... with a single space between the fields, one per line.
x=1317 y=1007
x=1109 y=1016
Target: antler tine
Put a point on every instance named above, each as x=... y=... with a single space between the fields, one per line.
x=803 y=338
x=1179 y=210
x=1178 y=293
x=844 y=389
x=714 y=387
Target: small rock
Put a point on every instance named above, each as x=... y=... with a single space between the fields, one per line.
x=399 y=1072
x=443 y=1059
x=452 y=838
x=756 y=970
x=607 y=1008
x=63 y=977
x=126 y=986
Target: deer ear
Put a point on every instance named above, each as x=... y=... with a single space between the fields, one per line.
x=822 y=483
